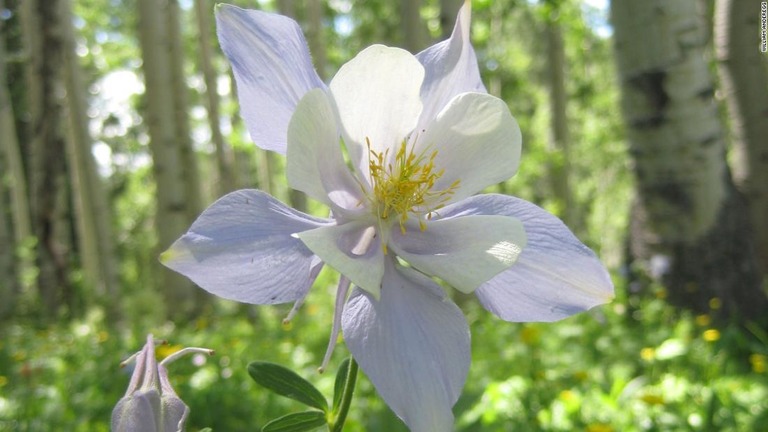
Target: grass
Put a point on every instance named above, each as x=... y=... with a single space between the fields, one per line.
x=634 y=365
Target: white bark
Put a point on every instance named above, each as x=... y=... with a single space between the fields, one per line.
x=411 y=25
x=14 y=176
x=42 y=28
x=172 y=215
x=315 y=37
x=94 y=219
x=673 y=128
x=224 y=156
x=744 y=82
x=9 y=284
x=180 y=100
x=559 y=136
x=690 y=226
x=449 y=9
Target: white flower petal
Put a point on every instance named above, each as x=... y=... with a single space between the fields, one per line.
x=272 y=67
x=465 y=252
x=451 y=69
x=315 y=164
x=478 y=143
x=555 y=277
x=377 y=95
x=353 y=249
x=413 y=344
x=243 y=248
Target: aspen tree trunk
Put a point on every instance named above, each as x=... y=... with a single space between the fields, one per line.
x=495 y=38
x=224 y=158
x=15 y=226
x=690 y=225
x=189 y=168
x=251 y=162
x=13 y=175
x=315 y=36
x=266 y=171
x=43 y=29
x=412 y=27
x=744 y=81
x=297 y=199
x=9 y=284
x=9 y=281
x=449 y=9
x=93 y=216
x=559 y=136
x=172 y=214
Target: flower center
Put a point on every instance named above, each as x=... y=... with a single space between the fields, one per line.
x=404 y=185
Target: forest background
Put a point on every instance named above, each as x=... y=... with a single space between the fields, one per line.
x=645 y=128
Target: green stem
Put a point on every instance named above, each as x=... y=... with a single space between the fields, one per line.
x=346 y=396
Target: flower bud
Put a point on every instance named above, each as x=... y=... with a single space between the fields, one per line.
x=150 y=404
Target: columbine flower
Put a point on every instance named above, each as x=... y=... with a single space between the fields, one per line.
x=421 y=137
x=150 y=404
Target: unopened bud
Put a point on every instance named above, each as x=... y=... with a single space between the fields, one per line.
x=150 y=404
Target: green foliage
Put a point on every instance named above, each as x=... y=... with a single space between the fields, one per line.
x=638 y=368
x=297 y=422
x=286 y=382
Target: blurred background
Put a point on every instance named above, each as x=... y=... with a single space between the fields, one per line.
x=645 y=128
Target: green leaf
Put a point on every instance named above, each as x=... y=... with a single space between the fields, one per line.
x=296 y=422
x=338 y=388
x=286 y=382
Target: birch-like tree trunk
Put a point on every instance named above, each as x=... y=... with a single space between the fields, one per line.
x=9 y=284
x=190 y=171
x=225 y=164
x=43 y=30
x=315 y=36
x=93 y=216
x=744 y=82
x=559 y=136
x=411 y=25
x=250 y=161
x=495 y=44
x=690 y=225
x=14 y=223
x=449 y=9
x=13 y=176
x=172 y=216
x=287 y=8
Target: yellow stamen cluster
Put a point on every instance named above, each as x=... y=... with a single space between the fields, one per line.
x=405 y=185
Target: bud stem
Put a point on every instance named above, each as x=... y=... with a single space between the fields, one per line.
x=182 y=352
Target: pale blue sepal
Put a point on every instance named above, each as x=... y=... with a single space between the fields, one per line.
x=244 y=247
x=272 y=67
x=413 y=344
x=555 y=276
x=451 y=68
